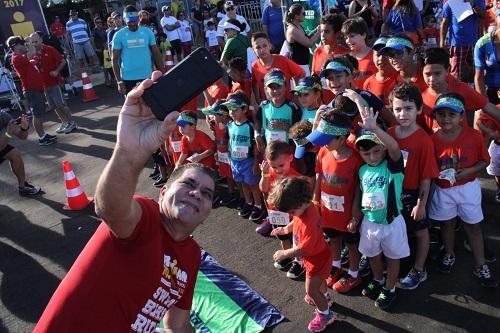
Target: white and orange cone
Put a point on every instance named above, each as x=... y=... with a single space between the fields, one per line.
x=88 y=89
x=76 y=198
x=169 y=60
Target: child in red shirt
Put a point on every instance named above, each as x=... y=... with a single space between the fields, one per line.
x=196 y=146
x=277 y=164
x=420 y=168
x=262 y=46
x=381 y=83
x=337 y=194
x=238 y=74
x=330 y=27
x=461 y=154
x=431 y=33
x=293 y=196
x=218 y=90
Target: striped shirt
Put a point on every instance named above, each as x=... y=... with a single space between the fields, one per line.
x=78 y=30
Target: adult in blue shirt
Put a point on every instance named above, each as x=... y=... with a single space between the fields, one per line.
x=405 y=17
x=78 y=31
x=132 y=50
x=273 y=25
x=118 y=21
x=462 y=38
x=487 y=64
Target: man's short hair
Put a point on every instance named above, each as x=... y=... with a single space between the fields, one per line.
x=178 y=172
x=130 y=9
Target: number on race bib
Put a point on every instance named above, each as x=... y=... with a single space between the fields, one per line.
x=278 y=218
x=223 y=157
x=239 y=152
x=373 y=201
x=332 y=202
x=276 y=136
x=176 y=146
x=405 y=156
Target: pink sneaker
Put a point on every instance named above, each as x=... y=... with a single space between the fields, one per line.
x=310 y=301
x=320 y=321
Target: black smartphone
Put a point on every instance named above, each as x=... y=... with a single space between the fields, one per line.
x=182 y=83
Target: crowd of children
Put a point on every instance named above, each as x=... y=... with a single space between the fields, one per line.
x=343 y=165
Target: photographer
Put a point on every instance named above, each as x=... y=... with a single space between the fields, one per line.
x=15 y=127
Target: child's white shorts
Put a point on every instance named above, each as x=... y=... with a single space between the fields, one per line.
x=494 y=167
x=461 y=200
x=391 y=239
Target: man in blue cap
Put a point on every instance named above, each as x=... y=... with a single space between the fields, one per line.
x=132 y=50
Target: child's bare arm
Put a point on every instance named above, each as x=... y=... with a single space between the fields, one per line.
x=466 y=172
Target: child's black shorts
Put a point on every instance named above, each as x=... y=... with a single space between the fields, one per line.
x=409 y=199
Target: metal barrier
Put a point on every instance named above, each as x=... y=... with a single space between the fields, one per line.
x=252 y=12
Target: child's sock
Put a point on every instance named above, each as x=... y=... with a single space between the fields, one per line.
x=326 y=312
x=382 y=281
x=258 y=206
x=336 y=263
x=353 y=274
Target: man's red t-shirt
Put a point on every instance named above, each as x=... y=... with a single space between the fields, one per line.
x=125 y=285
x=381 y=89
x=339 y=179
x=201 y=143
x=321 y=55
x=287 y=66
x=418 y=156
x=218 y=90
x=308 y=237
x=48 y=60
x=473 y=102
x=366 y=68
x=28 y=72
x=463 y=152
x=57 y=29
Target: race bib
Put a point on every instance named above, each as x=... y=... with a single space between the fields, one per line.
x=449 y=175
x=176 y=146
x=405 y=156
x=239 y=152
x=276 y=136
x=332 y=202
x=277 y=218
x=373 y=201
x=223 y=157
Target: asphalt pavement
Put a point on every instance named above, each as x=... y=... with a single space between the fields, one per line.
x=39 y=241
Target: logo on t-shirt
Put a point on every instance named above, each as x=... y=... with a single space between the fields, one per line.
x=173 y=281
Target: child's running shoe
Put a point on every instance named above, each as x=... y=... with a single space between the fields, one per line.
x=385 y=298
x=310 y=301
x=344 y=255
x=257 y=214
x=283 y=264
x=246 y=211
x=321 y=321
x=413 y=279
x=334 y=276
x=264 y=228
x=446 y=263
x=484 y=275
x=489 y=256
x=227 y=199
x=241 y=204
x=29 y=189
x=346 y=284
x=372 y=290
x=295 y=271
x=364 y=267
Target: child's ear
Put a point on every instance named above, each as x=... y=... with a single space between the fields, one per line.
x=419 y=110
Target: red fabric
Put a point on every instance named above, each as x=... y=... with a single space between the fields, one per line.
x=48 y=60
x=245 y=86
x=327 y=96
x=222 y=142
x=192 y=105
x=289 y=68
x=218 y=90
x=201 y=143
x=321 y=55
x=489 y=19
x=489 y=121
x=417 y=80
x=463 y=152
x=381 y=89
x=339 y=178
x=308 y=236
x=388 y=3
x=366 y=68
x=57 y=29
x=28 y=72
x=473 y=101
x=421 y=163
x=431 y=33
x=114 y=282
x=273 y=176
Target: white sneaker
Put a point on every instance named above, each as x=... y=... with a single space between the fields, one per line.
x=70 y=127
x=61 y=128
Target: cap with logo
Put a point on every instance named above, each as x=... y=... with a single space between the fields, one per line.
x=363 y=134
x=14 y=40
x=216 y=109
x=234 y=102
x=274 y=76
x=334 y=66
x=449 y=102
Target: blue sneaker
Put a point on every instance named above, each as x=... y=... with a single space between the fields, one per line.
x=413 y=279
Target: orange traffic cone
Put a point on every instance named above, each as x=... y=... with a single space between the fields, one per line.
x=169 y=60
x=88 y=89
x=77 y=199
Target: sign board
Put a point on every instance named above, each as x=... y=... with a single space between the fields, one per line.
x=21 y=18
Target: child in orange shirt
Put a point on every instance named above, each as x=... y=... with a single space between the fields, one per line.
x=277 y=164
x=461 y=154
x=293 y=196
x=218 y=90
x=196 y=146
x=420 y=168
x=220 y=116
x=381 y=83
x=337 y=194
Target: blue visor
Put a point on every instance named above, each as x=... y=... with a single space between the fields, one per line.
x=448 y=102
x=300 y=149
x=334 y=66
x=326 y=132
x=131 y=17
x=380 y=43
x=396 y=43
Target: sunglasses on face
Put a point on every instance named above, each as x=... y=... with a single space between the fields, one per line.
x=395 y=54
x=230 y=8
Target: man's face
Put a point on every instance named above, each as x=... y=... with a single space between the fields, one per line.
x=19 y=49
x=167 y=12
x=36 y=41
x=275 y=3
x=118 y=21
x=188 y=200
x=74 y=17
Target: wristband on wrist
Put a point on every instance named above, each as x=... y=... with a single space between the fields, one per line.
x=264 y=175
x=119 y=82
x=8 y=135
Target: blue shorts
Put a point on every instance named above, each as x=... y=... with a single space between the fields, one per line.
x=242 y=171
